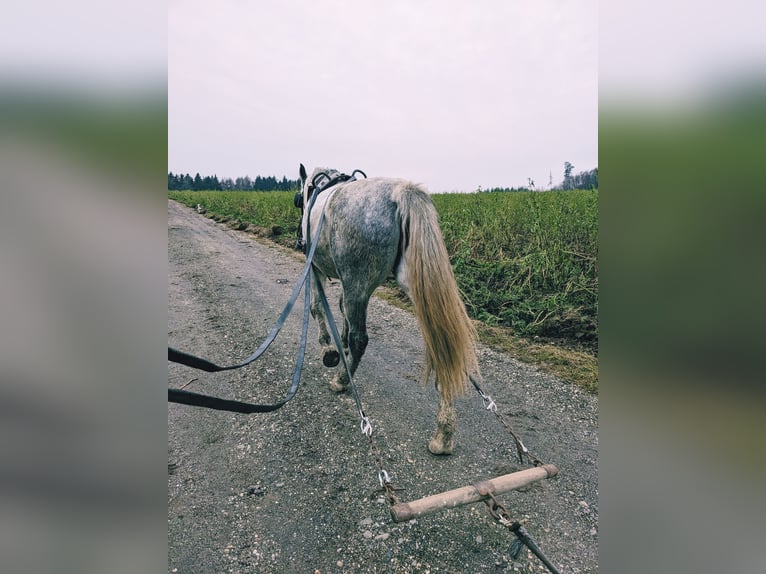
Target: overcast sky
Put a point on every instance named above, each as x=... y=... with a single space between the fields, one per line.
x=454 y=95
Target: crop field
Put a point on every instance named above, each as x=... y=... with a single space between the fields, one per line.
x=525 y=262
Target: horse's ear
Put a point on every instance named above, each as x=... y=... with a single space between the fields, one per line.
x=303 y=173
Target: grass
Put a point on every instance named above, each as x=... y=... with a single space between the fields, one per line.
x=525 y=262
x=577 y=366
x=265 y=210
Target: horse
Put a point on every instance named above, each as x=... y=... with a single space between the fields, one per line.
x=375 y=227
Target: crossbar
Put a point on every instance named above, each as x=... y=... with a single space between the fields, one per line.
x=403 y=511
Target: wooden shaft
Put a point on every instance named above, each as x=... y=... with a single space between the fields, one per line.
x=469 y=494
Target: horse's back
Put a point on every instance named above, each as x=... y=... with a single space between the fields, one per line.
x=361 y=240
x=366 y=208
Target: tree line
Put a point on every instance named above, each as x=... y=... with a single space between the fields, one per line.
x=185 y=182
x=583 y=180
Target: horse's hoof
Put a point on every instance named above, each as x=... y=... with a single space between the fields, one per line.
x=331 y=358
x=337 y=387
x=437 y=446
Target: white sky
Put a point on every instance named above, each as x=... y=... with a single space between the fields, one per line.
x=656 y=52
x=453 y=95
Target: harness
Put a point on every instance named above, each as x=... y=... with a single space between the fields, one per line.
x=320 y=182
x=325 y=182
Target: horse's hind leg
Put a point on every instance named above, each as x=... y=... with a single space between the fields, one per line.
x=355 y=311
x=443 y=441
x=330 y=356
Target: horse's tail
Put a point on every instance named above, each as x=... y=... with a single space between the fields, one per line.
x=448 y=333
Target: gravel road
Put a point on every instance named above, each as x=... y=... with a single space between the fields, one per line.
x=297 y=490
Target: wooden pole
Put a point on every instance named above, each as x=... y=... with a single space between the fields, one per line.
x=469 y=494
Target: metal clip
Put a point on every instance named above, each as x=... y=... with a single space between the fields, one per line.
x=489 y=403
x=383 y=478
x=521 y=450
x=366 y=426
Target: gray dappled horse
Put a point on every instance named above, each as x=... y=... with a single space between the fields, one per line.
x=375 y=227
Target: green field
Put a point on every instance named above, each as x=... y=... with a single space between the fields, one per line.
x=525 y=262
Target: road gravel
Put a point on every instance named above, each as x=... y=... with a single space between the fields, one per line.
x=297 y=490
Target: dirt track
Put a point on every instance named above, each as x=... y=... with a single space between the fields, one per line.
x=297 y=490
